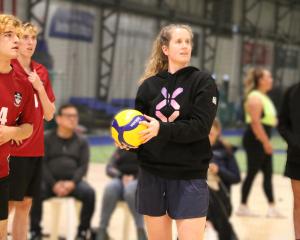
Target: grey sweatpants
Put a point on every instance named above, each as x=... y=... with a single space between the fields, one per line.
x=115 y=191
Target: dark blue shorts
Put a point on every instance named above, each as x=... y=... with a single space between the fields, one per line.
x=180 y=199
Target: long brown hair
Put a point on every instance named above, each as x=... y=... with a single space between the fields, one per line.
x=158 y=61
x=252 y=78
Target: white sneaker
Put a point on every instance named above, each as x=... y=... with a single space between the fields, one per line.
x=274 y=213
x=210 y=233
x=244 y=211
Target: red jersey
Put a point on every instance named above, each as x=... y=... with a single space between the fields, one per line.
x=34 y=146
x=16 y=102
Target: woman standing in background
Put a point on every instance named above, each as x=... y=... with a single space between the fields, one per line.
x=260 y=119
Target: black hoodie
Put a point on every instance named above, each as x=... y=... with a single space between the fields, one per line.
x=289 y=122
x=185 y=103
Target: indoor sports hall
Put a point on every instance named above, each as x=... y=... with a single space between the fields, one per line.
x=96 y=51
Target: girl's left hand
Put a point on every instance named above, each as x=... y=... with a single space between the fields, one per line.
x=152 y=129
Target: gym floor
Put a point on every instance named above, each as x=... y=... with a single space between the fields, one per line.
x=258 y=228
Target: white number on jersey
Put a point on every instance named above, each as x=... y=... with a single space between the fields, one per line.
x=36 y=102
x=3 y=115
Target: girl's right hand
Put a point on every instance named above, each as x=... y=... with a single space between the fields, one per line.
x=268 y=148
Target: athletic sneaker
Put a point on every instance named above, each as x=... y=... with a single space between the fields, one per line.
x=274 y=213
x=244 y=211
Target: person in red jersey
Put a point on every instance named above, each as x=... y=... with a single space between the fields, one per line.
x=16 y=101
x=26 y=160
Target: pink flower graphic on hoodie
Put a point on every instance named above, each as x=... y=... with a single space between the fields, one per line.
x=169 y=100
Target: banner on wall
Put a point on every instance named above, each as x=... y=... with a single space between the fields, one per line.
x=74 y=24
x=256 y=53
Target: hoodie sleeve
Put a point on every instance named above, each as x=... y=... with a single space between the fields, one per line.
x=203 y=114
x=284 y=125
x=140 y=100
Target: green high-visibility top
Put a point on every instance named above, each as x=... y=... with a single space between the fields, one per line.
x=269 y=111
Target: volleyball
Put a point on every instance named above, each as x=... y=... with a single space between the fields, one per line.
x=125 y=127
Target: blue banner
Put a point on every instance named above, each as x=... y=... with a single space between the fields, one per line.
x=72 y=24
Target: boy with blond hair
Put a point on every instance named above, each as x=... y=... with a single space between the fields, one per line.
x=26 y=160
x=16 y=101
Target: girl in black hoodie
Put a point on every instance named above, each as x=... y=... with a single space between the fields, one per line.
x=180 y=104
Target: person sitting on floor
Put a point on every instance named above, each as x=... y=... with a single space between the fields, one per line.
x=222 y=173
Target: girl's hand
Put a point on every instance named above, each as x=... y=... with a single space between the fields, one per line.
x=268 y=148
x=17 y=142
x=152 y=129
x=123 y=146
x=35 y=81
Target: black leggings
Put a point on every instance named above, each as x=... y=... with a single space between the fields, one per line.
x=257 y=160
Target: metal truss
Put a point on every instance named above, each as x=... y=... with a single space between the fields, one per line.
x=110 y=19
x=33 y=17
x=39 y=18
x=250 y=28
x=281 y=35
x=163 y=13
x=162 y=4
x=249 y=6
x=283 y=13
x=210 y=40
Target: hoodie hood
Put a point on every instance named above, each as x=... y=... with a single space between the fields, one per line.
x=182 y=71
